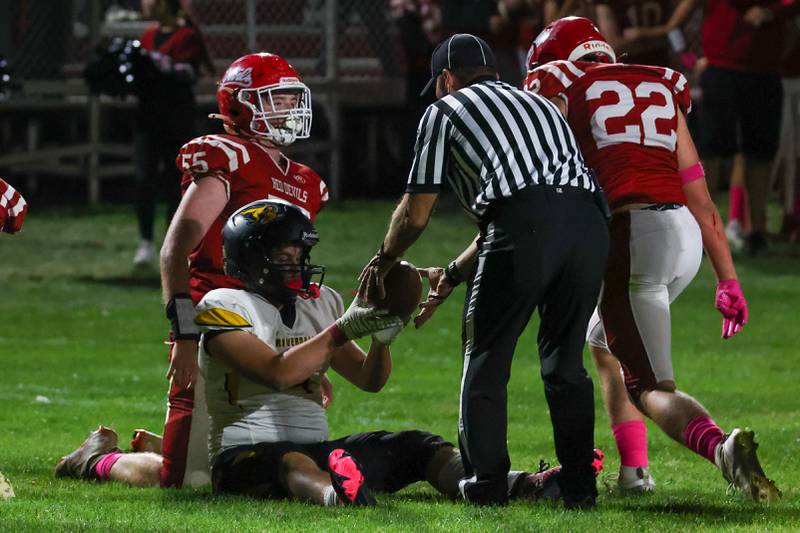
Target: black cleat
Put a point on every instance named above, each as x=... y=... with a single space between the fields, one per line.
x=348 y=480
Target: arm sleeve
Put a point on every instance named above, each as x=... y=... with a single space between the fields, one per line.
x=431 y=152
x=680 y=88
x=13 y=208
x=551 y=79
x=206 y=156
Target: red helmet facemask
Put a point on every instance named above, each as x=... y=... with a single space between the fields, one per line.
x=263 y=96
x=569 y=39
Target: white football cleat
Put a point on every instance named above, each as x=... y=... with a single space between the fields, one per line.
x=630 y=480
x=145 y=253
x=736 y=458
x=635 y=479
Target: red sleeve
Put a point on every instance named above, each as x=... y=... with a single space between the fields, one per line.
x=552 y=78
x=680 y=88
x=13 y=208
x=211 y=155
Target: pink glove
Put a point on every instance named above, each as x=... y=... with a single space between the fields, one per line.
x=731 y=303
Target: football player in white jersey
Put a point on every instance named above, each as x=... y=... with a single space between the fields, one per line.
x=263 y=353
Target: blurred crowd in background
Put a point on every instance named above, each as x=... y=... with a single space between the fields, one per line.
x=741 y=57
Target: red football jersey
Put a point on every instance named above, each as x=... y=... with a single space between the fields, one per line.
x=250 y=174
x=13 y=208
x=625 y=118
x=182 y=45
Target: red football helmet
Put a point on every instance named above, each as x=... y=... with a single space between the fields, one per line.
x=569 y=38
x=263 y=96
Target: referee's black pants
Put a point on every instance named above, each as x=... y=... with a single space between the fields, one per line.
x=545 y=249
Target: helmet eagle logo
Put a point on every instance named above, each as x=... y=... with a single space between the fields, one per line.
x=261 y=214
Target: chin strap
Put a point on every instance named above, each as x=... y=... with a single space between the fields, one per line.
x=312 y=292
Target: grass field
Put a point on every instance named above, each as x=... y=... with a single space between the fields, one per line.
x=81 y=343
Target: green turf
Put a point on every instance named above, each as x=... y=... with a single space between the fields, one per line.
x=81 y=343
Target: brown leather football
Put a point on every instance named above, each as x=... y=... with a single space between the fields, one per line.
x=403 y=290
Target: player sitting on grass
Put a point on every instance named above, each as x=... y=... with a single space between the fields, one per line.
x=263 y=354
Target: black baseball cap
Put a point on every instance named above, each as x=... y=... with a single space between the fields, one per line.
x=459 y=50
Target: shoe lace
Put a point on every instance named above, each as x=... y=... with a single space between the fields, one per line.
x=543 y=465
x=611 y=481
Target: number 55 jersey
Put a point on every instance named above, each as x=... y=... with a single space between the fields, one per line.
x=625 y=118
x=249 y=173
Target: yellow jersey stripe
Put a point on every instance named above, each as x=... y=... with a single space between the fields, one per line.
x=221 y=318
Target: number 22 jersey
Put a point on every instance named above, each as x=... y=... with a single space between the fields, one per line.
x=625 y=118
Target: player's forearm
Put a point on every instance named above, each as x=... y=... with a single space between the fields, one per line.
x=298 y=364
x=174 y=260
x=409 y=220
x=376 y=369
x=715 y=243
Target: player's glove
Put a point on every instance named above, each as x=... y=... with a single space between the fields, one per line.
x=731 y=303
x=361 y=320
x=388 y=335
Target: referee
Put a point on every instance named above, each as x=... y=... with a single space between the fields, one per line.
x=515 y=167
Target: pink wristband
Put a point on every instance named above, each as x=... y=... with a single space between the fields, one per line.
x=692 y=173
x=339 y=338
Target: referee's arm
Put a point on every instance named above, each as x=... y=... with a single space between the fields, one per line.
x=411 y=216
x=431 y=152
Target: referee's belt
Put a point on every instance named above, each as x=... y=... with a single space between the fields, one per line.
x=661 y=207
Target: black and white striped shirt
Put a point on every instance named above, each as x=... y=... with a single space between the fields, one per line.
x=490 y=140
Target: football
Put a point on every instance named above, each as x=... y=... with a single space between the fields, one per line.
x=403 y=290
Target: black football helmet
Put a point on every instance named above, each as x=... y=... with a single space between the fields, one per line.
x=249 y=238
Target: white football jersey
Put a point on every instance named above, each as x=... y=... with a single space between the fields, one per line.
x=241 y=411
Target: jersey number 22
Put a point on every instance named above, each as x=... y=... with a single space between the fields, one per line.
x=643 y=121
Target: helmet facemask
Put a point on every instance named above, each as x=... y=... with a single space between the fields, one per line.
x=281 y=112
x=281 y=281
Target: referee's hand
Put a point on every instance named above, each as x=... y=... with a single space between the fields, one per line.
x=438 y=291
x=370 y=281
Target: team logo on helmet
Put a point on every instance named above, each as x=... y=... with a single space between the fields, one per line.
x=243 y=77
x=261 y=214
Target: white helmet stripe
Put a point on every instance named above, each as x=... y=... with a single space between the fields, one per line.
x=591 y=47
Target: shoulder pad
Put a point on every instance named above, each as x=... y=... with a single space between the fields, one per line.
x=553 y=78
x=212 y=154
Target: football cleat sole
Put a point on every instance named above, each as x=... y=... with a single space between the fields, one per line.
x=736 y=458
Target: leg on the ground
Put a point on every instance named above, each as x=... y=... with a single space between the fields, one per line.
x=137 y=469
x=303 y=480
x=496 y=314
x=565 y=311
x=627 y=424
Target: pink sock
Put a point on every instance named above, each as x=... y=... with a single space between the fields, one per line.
x=631 y=440
x=702 y=436
x=737 y=199
x=103 y=466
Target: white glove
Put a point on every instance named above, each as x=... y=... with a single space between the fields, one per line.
x=388 y=335
x=361 y=320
